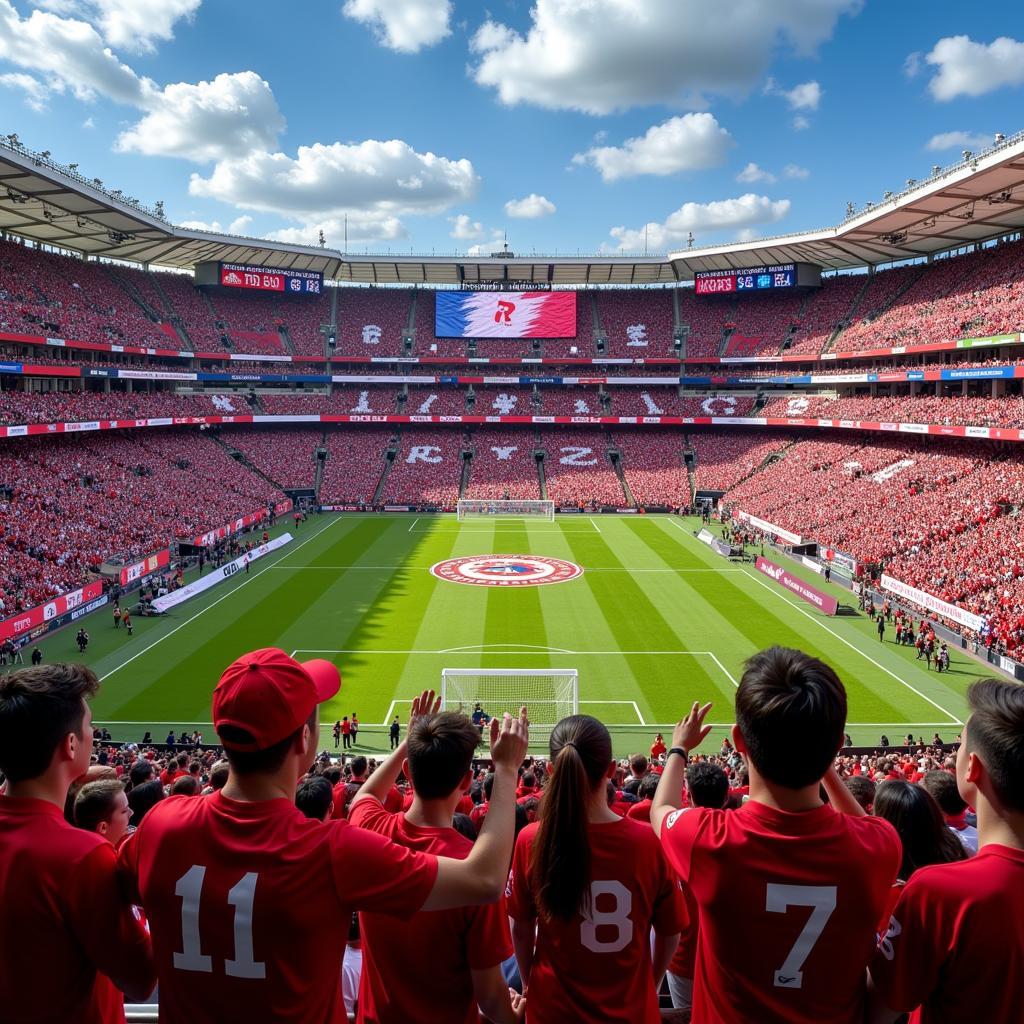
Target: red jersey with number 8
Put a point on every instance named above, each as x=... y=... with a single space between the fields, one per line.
x=788 y=904
x=249 y=905
x=596 y=969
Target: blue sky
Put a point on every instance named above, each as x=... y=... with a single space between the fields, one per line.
x=437 y=125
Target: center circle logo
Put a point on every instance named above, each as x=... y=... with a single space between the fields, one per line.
x=506 y=570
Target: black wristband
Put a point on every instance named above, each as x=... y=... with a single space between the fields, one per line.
x=681 y=752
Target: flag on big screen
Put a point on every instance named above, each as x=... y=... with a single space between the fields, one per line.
x=506 y=315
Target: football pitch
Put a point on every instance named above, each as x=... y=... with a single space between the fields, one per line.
x=656 y=621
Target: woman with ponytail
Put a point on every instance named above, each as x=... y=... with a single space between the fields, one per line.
x=586 y=889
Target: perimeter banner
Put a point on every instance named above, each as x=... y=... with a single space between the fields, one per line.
x=225 y=572
x=823 y=602
x=131 y=573
x=934 y=604
x=24 y=622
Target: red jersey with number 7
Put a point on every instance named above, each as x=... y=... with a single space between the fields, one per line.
x=596 y=968
x=249 y=905
x=788 y=904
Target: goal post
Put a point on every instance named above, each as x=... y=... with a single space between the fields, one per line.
x=550 y=694
x=494 y=508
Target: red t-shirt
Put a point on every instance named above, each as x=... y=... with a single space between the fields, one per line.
x=249 y=905
x=805 y=891
x=597 y=969
x=640 y=811
x=419 y=970
x=953 y=927
x=62 y=920
x=478 y=814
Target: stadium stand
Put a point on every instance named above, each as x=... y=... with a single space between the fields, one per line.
x=371 y=321
x=355 y=464
x=427 y=469
x=653 y=465
x=637 y=324
x=503 y=466
x=284 y=456
x=577 y=469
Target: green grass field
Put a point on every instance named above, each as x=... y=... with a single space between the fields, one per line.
x=656 y=621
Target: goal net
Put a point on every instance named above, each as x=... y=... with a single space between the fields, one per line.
x=524 y=509
x=550 y=694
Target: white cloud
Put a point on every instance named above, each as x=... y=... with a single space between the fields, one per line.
x=36 y=94
x=465 y=229
x=358 y=229
x=70 y=54
x=406 y=26
x=752 y=173
x=746 y=211
x=237 y=227
x=796 y=172
x=800 y=123
x=133 y=25
x=944 y=141
x=89 y=123
x=205 y=121
x=530 y=208
x=806 y=96
x=967 y=68
x=689 y=143
x=603 y=55
x=374 y=179
x=912 y=65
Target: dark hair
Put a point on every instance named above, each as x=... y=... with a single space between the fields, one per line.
x=915 y=815
x=995 y=732
x=463 y=823
x=863 y=790
x=260 y=762
x=143 y=797
x=440 y=752
x=707 y=784
x=219 y=775
x=140 y=772
x=638 y=763
x=359 y=765
x=95 y=802
x=649 y=786
x=791 y=712
x=314 y=797
x=581 y=752
x=333 y=774
x=186 y=785
x=39 y=706
x=944 y=790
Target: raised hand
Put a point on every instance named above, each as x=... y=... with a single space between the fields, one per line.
x=424 y=705
x=510 y=739
x=691 y=731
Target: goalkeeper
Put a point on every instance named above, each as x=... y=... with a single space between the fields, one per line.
x=480 y=718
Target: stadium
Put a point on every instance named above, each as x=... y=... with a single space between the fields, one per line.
x=591 y=485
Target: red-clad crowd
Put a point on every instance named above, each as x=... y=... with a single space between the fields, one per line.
x=503 y=465
x=264 y=881
x=577 y=468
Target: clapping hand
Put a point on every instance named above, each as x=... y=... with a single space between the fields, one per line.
x=510 y=739
x=691 y=731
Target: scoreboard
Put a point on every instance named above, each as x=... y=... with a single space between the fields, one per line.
x=757 y=279
x=260 y=279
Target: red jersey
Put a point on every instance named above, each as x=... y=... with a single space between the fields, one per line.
x=400 y=984
x=806 y=891
x=250 y=903
x=954 y=925
x=640 y=811
x=597 y=968
x=63 y=920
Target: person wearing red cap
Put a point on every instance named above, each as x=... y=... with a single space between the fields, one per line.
x=64 y=928
x=244 y=894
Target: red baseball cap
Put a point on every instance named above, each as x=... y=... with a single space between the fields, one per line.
x=270 y=695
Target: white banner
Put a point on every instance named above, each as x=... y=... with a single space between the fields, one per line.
x=225 y=572
x=771 y=528
x=705 y=536
x=934 y=604
x=811 y=564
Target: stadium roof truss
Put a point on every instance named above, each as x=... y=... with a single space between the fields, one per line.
x=973 y=201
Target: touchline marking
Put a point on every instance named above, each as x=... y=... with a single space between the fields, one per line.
x=594 y=524
x=214 y=604
x=414 y=522
x=853 y=647
x=728 y=674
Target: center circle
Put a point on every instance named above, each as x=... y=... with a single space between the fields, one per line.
x=506 y=570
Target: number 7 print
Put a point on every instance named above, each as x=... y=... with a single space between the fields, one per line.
x=778 y=900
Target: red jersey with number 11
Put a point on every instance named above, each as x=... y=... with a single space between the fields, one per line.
x=249 y=905
x=788 y=904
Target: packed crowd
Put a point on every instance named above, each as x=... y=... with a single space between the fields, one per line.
x=503 y=465
x=285 y=456
x=577 y=469
x=638 y=324
x=355 y=463
x=948 y=410
x=627 y=877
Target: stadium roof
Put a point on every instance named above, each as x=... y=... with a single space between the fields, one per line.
x=980 y=198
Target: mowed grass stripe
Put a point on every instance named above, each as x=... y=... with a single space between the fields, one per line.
x=638 y=625
x=176 y=675
x=765 y=619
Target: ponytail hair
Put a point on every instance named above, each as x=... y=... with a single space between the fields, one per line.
x=581 y=751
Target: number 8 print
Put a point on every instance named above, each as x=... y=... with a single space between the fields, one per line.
x=618 y=918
